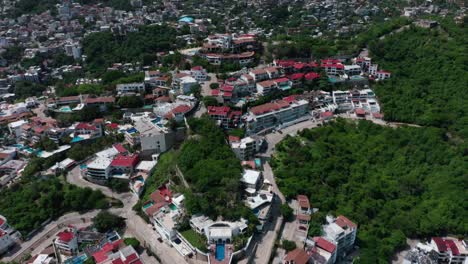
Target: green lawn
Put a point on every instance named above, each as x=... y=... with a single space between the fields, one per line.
x=195 y=239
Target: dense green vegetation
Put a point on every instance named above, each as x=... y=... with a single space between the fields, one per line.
x=25 y=89
x=105 y=221
x=103 y=48
x=430 y=76
x=195 y=239
x=212 y=171
x=395 y=183
x=28 y=204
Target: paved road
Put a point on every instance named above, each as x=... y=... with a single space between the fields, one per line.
x=40 y=239
x=135 y=224
x=206 y=90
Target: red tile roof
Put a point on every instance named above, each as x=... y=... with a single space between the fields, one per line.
x=360 y=111
x=85 y=126
x=113 y=125
x=326 y=114
x=296 y=76
x=453 y=247
x=324 y=244
x=66 y=236
x=181 y=109
x=231 y=139
x=267 y=83
x=268 y=107
x=290 y=98
x=100 y=100
x=102 y=255
x=312 y=76
x=197 y=68
x=218 y=110
x=120 y=148
x=440 y=243
x=214 y=92
x=281 y=80
x=343 y=222
x=227 y=88
x=125 y=161
x=303 y=201
x=299 y=256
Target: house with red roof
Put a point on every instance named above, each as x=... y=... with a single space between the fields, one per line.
x=323 y=251
x=115 y=253
x=297 y=256
x=124 y=164
x=383 y=75
x=266 y=87
x=198 y=73
x=224 y=116
x=450 y=250
x=67 y=241
x=342 y=232
x=91 y=130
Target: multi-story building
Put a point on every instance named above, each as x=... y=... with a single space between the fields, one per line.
x=67 y=241
x=342 y=232
x=450 y=250
x=152 y=137
x=6 y=241
x=246 y=148
x=270 y=115
x=125 y=88
x=198 y=73
x=224 y=116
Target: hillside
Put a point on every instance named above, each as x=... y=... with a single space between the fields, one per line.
x=395 y=183
x=429 y=76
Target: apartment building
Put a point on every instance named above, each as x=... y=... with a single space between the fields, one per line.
x=270 y=115
x=342 y=232
x=67 y=241
x=225 y=117
x=246 y=148
x=125 y=88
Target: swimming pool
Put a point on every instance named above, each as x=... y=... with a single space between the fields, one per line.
x=66 y=109
x=76 y=139
x=145 y=206
x=220 y=252
x=173 y=207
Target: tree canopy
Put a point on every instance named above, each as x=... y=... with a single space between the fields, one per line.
x=29 y=203
x=212 y=171
x=429 y=76
x=394 y=183
x=104 y=48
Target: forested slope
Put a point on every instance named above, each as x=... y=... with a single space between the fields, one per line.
x=430 y=76
x=395 y=183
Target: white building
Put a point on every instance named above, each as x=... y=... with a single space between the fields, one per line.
x=342 y=232
x=219 y=231
x=246 y=148
x=73 y=49
x=6 y=241
x=125 y=88
x=153 y=138
x=67 y=241
x=198 y=73
x=15 y=128
x=277 y=113
x=186 y=83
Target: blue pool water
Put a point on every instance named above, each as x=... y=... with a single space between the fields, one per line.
x=76 y=139
x=258 y=163
x=83 y=166
x=148 y=205
x=65 y=109
x=156 y=120
x=20 y=146
x=220 y=252
x=132 y=130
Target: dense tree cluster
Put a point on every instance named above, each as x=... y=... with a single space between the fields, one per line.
x=104 y=48
x=395 y=183
x=25 y=89
x=31 y=202
x=106 y=221
x=212 y=171
x=429 y=81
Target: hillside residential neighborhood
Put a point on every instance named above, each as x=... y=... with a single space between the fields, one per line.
x=219 y=132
